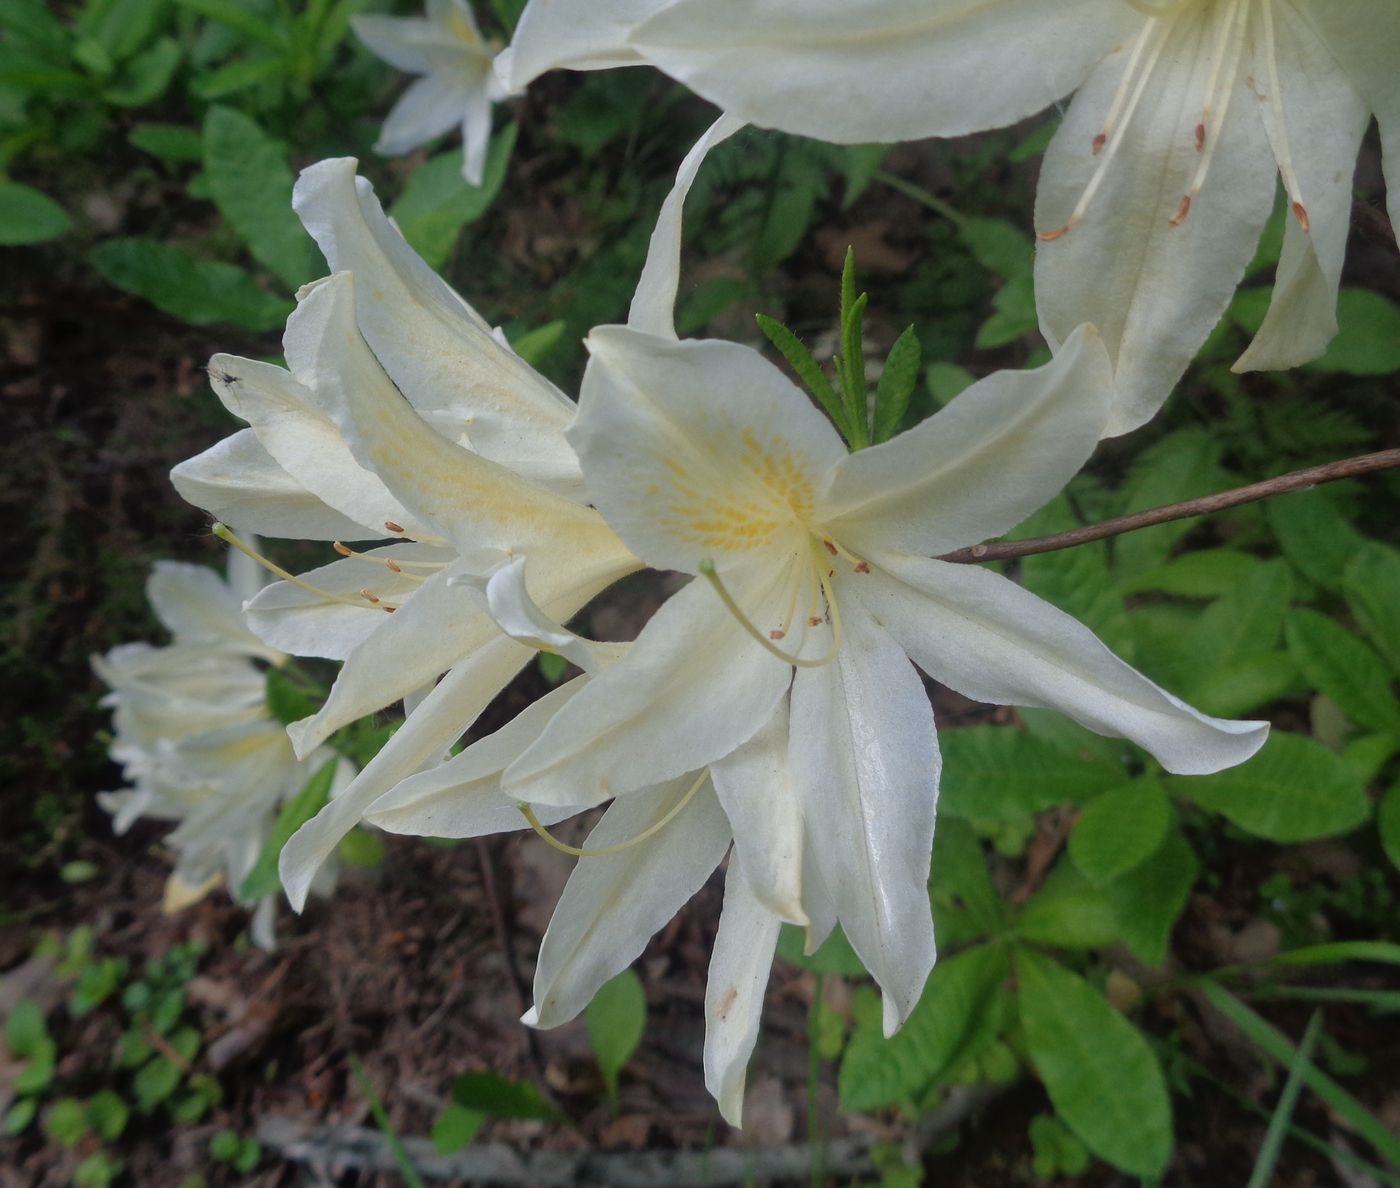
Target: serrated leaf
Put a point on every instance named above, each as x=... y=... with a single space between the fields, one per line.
x=1201 y=573
x=1243 y=624
x=808 y=370
x=1119 y=830
x=1096 y=1066
x=615 y=1020
x=835 y=956
x=1181 y=466
x=287 y=702
x=1342 y=667
x=1388 y=823
x=1369 y=583
x=437 y=201
x=1069 y=912
x=998 y=773
x=944 y=381
x=998 y=246
x=896 y=384
x=1148 y=900
x=966 y=906
x=262 y=880
x=1368 y=341
x=27 y=216
x=1247 y=684
x=195 y=291
x=1318 y=540
x=1293 y=790
x=878 y=1072
x=251 y=183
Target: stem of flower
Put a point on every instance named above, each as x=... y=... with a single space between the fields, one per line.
x=1298 y=480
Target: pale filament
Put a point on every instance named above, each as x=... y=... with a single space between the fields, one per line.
x=602 y=851
x=389 y=563
x=1230 y=45
x=416 y=537
x=226 y=535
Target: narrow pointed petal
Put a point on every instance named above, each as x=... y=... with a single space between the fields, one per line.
x=947 y=482
x=654 y=303
x=755 y=788
x=445 y=714
x=478 y=504
x=476 y=137
x=519 y=616
x=550 y=36
x=1155 y=291
x=304 y=441
x=197 y=606
x=428 y=107
x=882 y=70
x=612 y=904
x=400 y=41
x=463 y=797
x=437 y=349
x=692 y=688
x=698 y=449
x=1325 y=120
x=990 y=640
x=739 y=969
x=865 y=764
x=237 y=481
x=304 y=623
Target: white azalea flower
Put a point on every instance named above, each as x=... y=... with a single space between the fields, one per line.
x=817 y=591
x=402 y=417
x=458 y=86
x=1158 y=183
x=194 y=738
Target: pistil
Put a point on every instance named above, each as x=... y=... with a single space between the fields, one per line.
x=603 y=851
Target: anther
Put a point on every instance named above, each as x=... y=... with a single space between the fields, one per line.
x=777 y=633
x=830 y=547
x=393 y=565
x=707 y=571
x=815 y=621
x=1182 y=210
x=223 y=532
x=862 y=567
x=580 y=852
x=342 y=549
x=392 y=527
x=1300 y=212
x=369 y=596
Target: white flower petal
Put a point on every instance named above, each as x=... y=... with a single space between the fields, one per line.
x=990 y=640
x=1325 y=120
x=197 y=606
x=519 y=616
x=1154 y=291
x=865 y=764
x=698 y=449
x=739 y=969
x=612 y=904
x=399 y=41
x=882 y=70
x=238 y=481
x=554 y=35
x=427 y=108
x=691 y=689
x=439 y=351
x=978 y=467
x=463 y=797
x=755 y=788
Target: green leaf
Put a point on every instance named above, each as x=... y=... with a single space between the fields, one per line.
x=956 y=1003
x=27 y=216
x=616 y=1019
x=1201 y=573
x=1315 y=536
x=807 y=369
x=1149 y=899
x=97 y=1171
x=361 y=850
x=262 y=880
x=145 y=78
x=1119 y=830
x=860 y=163
x=834 y=957
x=154 y=1082
x=30 y=24
x=535 y=345
x=495 y=1095
x=1181 y=466
x=1097 y=1067
x=1388 y=823
x=709 y=300
x=1369 y=582
x=238 y=76
x=25 y=1032
x=251 y=184
x=897 y=384
x=999 y=773
x=552 y=666
x=944 y=381
x=169 y=142
x=1368 y=342
x=240 y=17
x=1013 y=314
x=1276 y=1045
x=437 y=201
x=966 y=905
x=455 y=1127
x=195 y=291
x=1069 y=912
x=18 y=1117
x=108 y=1114
x=998 y=246
x=37 y=1074
x=1246 y=685
x=1293 y=790
x=1243 y=624
x=287 y=701
x=65 y=1122
x=122 y=26
x=1341 y=666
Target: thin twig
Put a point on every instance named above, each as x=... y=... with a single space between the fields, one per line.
x=1298 y=480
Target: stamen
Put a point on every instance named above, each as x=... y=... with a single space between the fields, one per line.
x=421 y=538
x=1124 y=86
x=580 y=852
x=1283 y=151
x=389 y=563
x=1222 y=44
x=1236 y=22
x=223 y=532
x=707 y=571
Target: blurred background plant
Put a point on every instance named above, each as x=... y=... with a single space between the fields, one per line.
x=1182 y=981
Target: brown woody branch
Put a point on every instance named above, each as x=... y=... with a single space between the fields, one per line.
x=1298 y=480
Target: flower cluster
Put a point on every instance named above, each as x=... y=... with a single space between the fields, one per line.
x=772 y=712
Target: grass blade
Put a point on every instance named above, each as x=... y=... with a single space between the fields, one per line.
x=381 y=1119
x=1274 y=1137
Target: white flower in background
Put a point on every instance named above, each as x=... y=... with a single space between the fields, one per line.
x=195 y=740
x=786 y=670
x=1158 y=183
x=403 y=417
x=458 y=85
